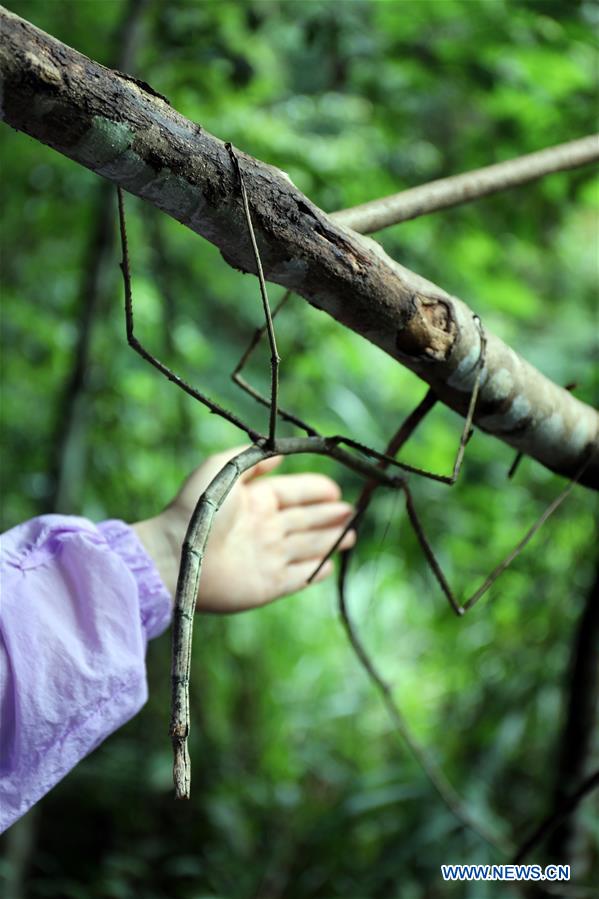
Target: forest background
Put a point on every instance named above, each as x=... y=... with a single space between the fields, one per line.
x=301 y=788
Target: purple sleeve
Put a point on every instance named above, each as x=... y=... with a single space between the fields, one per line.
x=79 y=603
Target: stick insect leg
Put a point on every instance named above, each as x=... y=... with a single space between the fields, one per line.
x=403 y=433
x=499 y=569
x=259 y=334
x=274 y=355
x=432 y=771
x=428 y=552
x=465 y=436
x=461 y=609
x=237 y=378
x=385 y=457
x=519 y=455
x=139 y=348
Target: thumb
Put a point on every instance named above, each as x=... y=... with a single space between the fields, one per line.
x=198 y=480
x=261 y=468
x=213 y=464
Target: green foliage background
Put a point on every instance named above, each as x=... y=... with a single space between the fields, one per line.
x=301 y=788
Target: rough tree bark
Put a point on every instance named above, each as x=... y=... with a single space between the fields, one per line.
x=122 y=129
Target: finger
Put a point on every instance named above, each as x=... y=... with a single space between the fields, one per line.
x=301 y=489
x=261 y=468
x=315 y=544
x=315 y=515
x=296 y=576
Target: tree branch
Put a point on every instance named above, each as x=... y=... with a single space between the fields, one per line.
x=409 y=204
x=123 y=130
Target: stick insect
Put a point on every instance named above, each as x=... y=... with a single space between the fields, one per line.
x=373 y=465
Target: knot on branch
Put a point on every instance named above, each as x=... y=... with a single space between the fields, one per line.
x=430 y=331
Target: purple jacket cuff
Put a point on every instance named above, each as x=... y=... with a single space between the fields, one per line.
x=155 y=602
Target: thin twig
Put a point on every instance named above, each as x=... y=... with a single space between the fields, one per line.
x=274 y=355
x=457 y=189
x=435 y=775
x=548 y=824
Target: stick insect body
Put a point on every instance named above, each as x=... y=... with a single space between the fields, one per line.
x=370 y=463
